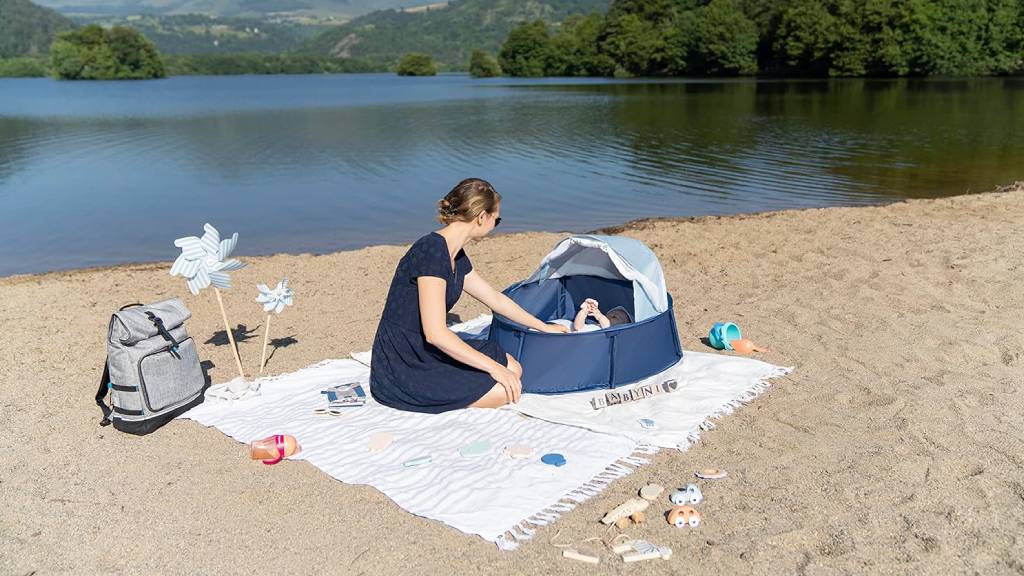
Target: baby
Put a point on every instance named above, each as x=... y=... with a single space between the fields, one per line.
x=615 y=316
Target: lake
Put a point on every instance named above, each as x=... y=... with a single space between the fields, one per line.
x=97 y=173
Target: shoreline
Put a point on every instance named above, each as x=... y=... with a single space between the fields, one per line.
x=893 y=448
x=630 y=225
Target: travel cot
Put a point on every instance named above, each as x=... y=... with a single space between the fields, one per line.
x=615 y=271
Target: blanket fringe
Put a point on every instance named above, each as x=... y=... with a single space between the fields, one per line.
x=728 y=408
x=522 y=531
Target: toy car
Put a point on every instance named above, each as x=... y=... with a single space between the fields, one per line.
x=682 y=516
x=689 y=495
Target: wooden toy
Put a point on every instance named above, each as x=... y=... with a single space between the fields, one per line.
x=681 y=516
x=582 y=554
x=711 y=474
x=689 y=495
x=625 y=510
x=651 y=492
x=273 y=301
x=204 y=261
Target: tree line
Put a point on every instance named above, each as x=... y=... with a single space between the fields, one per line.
x=120 y=53
x=774 y=37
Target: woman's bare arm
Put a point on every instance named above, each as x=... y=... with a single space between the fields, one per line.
x=478 y=288
x=432 y=318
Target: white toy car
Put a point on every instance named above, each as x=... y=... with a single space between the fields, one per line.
x=689 y=495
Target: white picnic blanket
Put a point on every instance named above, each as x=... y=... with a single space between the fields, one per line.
x=493 y=496
x=711 y=386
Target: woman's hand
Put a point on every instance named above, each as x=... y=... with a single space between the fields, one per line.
x=555 y=329
x=509 y=381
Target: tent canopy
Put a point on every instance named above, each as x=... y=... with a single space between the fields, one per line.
x=612 y=257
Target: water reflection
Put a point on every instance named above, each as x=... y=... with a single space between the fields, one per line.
x=318 y=164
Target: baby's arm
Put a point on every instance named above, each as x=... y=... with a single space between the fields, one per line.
x=602 y=319
x=581 y=319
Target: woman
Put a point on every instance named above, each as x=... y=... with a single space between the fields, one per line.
x=420 y=365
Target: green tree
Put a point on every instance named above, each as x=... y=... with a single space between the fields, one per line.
x=525 y=50
x=92 y=53
x=483 y=65
x=805 y=37
x=22 y=67
x=644 y=38
x=723 y=40
x=576 y=49
x=415 y=64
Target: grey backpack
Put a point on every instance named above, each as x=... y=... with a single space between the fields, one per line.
x=152 y=371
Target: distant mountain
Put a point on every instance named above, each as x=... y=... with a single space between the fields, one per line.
x=448 y=32
x=199 y=34
x=250 y=8
x=27 y=29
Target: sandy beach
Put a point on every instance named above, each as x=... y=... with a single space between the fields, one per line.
x=896 y=446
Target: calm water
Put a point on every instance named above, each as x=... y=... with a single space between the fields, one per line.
x=104 y=173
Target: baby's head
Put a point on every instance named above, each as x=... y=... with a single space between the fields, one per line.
x=618 y=315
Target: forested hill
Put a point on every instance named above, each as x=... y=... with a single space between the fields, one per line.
x=238 y=8
x=27 y=29
x=779 y=37
x=447 y=33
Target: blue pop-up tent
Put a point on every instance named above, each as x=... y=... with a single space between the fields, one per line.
x=615 y=271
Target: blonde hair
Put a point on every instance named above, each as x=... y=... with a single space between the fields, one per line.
x=467 y=200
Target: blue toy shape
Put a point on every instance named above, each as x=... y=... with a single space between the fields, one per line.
x=553 y=459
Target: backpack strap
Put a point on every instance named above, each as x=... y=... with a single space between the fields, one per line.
x=105 y=384
x=101 y=393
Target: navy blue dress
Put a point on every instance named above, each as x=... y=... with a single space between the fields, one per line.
x=408 y=373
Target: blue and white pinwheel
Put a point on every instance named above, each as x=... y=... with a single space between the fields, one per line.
x=275 y=300
x=204 y=261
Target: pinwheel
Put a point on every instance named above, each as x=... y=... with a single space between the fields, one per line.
x=205 y=261
x=273 y=301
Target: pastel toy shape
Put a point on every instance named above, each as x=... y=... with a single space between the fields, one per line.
x=651 y=492
x=273 y=449
x=380 y=441
x=553 y=459
x=625 y=510
x=710 y=474
x=689 y=495
x=476 y=449
x=683 y=516
x=418 y=461
x=744 y=346
x=519 y=451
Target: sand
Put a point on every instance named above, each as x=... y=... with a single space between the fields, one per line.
x=896 y=447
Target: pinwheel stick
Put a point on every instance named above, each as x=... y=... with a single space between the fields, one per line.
x=266 y=338
x=231 y=337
